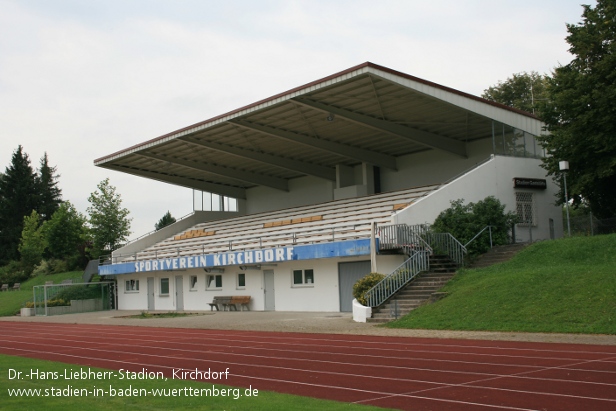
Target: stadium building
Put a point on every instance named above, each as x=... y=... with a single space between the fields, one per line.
x=295 y=196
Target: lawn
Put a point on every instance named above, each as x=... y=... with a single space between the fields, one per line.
x=566 y=286
x=12 y=301
x=57 y=390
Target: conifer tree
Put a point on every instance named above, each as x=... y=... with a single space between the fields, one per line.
x=18 y=197
x=50 y=195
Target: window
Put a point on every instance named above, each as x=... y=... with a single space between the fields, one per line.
x=193 y=282
x=303 y=277
x=206 y=201
x=213 y=282
x=525 y=208
x=164 y=286
x=131 y=286
x=241 y=281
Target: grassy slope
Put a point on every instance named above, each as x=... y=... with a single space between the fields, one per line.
x=12 y=301
x=566 y=285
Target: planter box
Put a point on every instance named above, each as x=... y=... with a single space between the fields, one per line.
x=27 y=312
x=360 y=312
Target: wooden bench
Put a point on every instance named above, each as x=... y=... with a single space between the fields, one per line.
x=230 y=302
x=16 y=287
x=5 y=287
x=242 y=301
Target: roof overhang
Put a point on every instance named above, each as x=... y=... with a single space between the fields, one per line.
x=366 y=114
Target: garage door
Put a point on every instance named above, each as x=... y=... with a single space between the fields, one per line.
x=348 y=274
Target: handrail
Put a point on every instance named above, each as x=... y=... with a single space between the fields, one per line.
x=449 y=245
x=408 y=270
x=488 y=227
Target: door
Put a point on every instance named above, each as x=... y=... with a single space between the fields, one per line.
x=268 y=289
x=179 y=293
x=150 y=293
x=348 y=274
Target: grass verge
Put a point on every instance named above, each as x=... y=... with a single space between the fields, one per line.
x=263 y=400
x=12 y=301
x=563 y=286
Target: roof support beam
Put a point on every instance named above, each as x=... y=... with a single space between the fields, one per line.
x=243 y=176
x=229 y=191
x=419 y=136
x=344 y=150
x=297 y=166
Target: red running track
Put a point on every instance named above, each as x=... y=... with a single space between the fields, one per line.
x=396 y=372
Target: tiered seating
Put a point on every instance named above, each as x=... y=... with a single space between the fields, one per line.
x=332 y=221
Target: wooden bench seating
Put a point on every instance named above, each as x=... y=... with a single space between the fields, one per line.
x=16 y=287
x=231 y=302
x=336 y=220
x=5 y=287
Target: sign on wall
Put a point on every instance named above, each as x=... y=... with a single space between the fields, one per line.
x=535 y=183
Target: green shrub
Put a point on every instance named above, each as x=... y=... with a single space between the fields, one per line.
x=58 y=266
x=365 y=284
x=79 y=292
x=12 y=273
x=465 y=221
x=41 y=269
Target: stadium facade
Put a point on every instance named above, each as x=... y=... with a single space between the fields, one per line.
x=293 y=194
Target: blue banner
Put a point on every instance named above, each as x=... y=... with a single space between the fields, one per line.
x=248 y=257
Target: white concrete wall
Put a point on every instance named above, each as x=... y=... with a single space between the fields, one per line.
x=433 y=166
x=302 y=191
x=322 y=295
x=494 y=178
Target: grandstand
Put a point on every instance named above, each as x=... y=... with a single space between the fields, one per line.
x=288 y=190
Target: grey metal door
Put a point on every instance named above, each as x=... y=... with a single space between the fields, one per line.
x=179 y=293
x=348 y=274
x=150 y=293
x=268 y=288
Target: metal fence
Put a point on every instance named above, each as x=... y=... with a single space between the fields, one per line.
x=589 y=225
x=56 y=299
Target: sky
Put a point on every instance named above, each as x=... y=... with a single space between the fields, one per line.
x=80 y=79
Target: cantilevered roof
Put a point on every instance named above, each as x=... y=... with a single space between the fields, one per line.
x=367 y=113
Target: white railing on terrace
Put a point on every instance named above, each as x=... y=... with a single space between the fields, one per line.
x=283 y=239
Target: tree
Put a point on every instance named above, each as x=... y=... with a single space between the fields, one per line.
x=466 y=221
x=165 y=220
x=66 y=233
x=18 y=197
x=32 y=243
x=108 y=220
x=580 y=114
x=50 y=195
x=522 y=91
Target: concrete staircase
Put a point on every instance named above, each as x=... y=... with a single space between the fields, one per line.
x=417 y=292
x=498 y=254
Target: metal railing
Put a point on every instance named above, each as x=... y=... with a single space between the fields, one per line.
x=445 y=243
x=396 y=236
x=488 y=227
x=422 y=243
x=417 y=263
x=246 y=243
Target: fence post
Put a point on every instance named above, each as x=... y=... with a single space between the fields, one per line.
x=591 y=227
